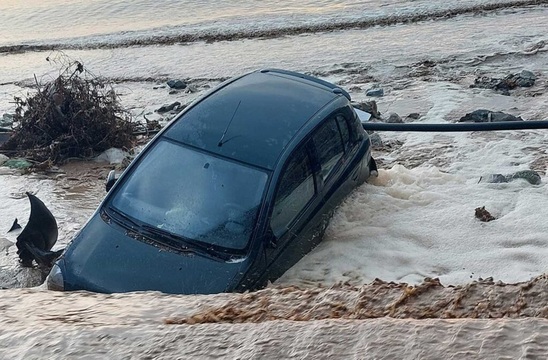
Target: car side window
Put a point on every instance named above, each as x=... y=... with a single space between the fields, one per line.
x=329 y=147
x=345 y=133
x=295 y=190
x=355 y=129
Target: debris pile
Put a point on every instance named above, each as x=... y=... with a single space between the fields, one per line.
x=75 y=115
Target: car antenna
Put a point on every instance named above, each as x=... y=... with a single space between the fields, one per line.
x=228 y=125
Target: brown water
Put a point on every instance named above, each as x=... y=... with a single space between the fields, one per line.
x=71 y=193
x=38 y=324
x=384 y=230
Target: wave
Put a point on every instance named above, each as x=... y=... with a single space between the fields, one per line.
x=183 y=36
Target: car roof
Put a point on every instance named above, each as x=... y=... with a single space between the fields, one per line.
x=254 y=117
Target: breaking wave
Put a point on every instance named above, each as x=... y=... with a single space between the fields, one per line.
x=227 y=31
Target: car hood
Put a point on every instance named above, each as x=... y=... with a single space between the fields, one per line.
x=103 y=258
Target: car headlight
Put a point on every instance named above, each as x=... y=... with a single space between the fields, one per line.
x=55 y=281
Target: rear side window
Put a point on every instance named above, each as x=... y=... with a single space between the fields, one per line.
x=345 y=133
x=295 y=191
x=329 y=147
x=356 y=130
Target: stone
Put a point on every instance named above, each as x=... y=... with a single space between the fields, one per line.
x=176 y=84
x=530 y=176
x=112 y=156
x=494 y=179
x=18 y=163
x=375 y=92
x=369 y=107
x=483 y=115
x=414 y=116
x=526 y=74
x=6 y=120
x=170 y=107
x=376 y=140
x=3 y=159
x=525 y=78
x=393 y=118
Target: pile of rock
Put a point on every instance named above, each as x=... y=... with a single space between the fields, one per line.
x=523 y=79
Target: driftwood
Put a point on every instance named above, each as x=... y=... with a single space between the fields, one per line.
x=74 y=115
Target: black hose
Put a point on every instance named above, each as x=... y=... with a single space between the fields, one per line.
x=486 y=126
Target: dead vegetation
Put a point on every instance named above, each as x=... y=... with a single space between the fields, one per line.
x=76 y=115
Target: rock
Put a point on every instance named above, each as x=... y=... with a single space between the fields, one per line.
x=526 y=74
x=393 y=118
x=166 y=108
x=484 y=215
x=6 y=120
x=483 y=115
x=494 y=179
x=176 y=84
x=18 y=163
x=531 y=176
x=523 y=79
x=414 y=116
x=112 y=156
x=375 y=92
x=376 y=140
x=3 y=159
x=369 y=107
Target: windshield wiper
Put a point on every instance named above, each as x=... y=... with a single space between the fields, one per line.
x=125 y=217
x=181 y=243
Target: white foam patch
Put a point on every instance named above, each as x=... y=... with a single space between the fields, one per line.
x=415 y=223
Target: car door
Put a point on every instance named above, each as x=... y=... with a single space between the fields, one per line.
x=300 y=213
x=295 y=213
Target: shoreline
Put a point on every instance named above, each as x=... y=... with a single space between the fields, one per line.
x=271 y=32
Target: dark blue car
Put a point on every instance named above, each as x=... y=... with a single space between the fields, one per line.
x=231 y=194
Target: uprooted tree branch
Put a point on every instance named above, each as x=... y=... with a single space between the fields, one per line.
x=74 y=115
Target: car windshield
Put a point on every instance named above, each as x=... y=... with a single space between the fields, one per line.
x=193 y=195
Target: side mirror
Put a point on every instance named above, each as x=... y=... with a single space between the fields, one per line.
x=111 y=180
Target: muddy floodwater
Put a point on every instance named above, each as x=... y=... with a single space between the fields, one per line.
x=71 y=193
x=376 y=321
x=405 y=271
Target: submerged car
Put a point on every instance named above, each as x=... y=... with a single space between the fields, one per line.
x=228 y=196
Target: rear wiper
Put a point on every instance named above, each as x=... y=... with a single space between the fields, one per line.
x=128 y=219
x=181 y=243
